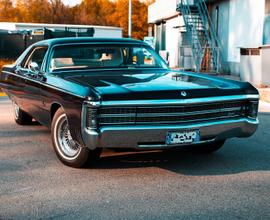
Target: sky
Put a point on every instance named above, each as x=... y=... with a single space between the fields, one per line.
x=71 y=2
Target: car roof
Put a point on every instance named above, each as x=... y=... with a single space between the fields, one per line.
x=71 y=40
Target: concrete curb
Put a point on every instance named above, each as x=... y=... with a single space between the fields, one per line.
x=265 y=94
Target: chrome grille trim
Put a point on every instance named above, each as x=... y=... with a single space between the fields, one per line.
x=169 y=114
x=172 y=122
x=172 y=114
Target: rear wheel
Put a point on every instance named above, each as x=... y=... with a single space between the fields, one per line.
x=21 y=117
x=208 y=148
x=67 y=149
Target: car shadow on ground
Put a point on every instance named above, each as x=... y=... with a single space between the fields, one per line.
x=234 y=159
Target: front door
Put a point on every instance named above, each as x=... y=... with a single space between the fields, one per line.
x=33 y=78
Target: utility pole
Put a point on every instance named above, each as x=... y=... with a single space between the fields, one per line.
x=130 y=18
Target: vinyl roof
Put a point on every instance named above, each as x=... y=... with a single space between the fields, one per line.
x=70 y=40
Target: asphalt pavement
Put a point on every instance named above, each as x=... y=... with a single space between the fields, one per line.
x=233 y=183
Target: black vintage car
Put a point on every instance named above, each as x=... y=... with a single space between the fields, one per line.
x=114 y=93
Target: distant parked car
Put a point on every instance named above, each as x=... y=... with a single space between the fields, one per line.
x=104 y=93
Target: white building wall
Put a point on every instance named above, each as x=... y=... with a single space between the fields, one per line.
x=251 y=69
x=246 y=20
x=240 y=24
x=165 y=11
x=161 y=9
x=222 y=28
x=265 y=65
x=255 y=68
x=172 y=40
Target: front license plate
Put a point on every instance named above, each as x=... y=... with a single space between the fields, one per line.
x=184 y=137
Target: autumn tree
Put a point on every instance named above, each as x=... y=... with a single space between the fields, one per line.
x=60 y=14
x=90 y=12
x=37 y=11
x=7 y=11
x=139 y=17
x=106 y=12
x=120 y=16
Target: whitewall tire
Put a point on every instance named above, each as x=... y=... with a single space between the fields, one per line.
x=69 y=151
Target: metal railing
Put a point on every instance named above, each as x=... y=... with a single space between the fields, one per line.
x=201 y=34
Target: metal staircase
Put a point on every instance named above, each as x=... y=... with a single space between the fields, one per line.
x=202 y=37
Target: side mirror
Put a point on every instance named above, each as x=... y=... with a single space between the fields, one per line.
x=34 y=67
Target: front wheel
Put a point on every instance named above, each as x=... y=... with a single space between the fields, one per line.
x=68 y=150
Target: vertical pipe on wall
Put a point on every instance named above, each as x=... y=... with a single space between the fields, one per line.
x=130 y=18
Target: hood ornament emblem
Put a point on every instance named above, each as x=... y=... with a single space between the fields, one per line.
x=183 y=93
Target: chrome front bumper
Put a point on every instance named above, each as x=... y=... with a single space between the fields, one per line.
x=153 y=137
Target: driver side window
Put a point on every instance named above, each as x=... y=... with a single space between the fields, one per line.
x=37 y=56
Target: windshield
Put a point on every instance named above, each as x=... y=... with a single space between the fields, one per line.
x=109 y=56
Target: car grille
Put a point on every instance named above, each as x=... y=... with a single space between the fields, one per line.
x=164 y=114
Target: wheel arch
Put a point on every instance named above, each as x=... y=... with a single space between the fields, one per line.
x=75 y=132
x=54 y=107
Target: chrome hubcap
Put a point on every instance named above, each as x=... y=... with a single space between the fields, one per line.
x=16 y=110
x=66 y=143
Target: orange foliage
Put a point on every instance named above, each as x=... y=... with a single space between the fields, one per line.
x=91 y=12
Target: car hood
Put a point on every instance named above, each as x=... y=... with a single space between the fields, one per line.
x=132 y=85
